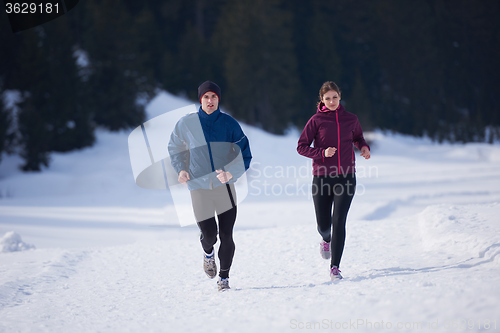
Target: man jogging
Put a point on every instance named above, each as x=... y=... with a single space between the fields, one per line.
x=210 y=163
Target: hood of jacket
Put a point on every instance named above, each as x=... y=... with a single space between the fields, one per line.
x=323 y=109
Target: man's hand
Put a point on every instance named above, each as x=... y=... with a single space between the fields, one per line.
x=183 y=177
x=224 y=176
x=330 y=151
x=365 y=152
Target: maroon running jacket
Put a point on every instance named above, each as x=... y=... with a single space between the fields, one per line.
x=339 y=129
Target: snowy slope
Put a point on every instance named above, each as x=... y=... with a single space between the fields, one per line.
x=421 y=253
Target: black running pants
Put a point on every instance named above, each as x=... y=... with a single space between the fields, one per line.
x=221 y=200
x=336 y=191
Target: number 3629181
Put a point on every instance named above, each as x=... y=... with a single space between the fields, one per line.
x=31 y=8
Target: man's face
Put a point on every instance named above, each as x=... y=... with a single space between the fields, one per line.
x=209 y=102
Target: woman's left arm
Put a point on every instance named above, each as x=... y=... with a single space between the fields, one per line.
x=359 y=141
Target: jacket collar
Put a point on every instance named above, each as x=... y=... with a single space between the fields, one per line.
x=323 y=109
x=210 y=117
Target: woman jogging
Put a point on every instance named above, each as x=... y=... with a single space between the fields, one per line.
x=333 y=131
x=205 y=152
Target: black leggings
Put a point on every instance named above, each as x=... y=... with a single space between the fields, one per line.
x=221 y=200
x=337 y=191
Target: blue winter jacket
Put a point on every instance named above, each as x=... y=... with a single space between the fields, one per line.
x=202 y=143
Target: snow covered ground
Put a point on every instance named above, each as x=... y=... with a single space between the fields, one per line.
x=421 y=253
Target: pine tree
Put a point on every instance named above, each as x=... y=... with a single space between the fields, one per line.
x=115 y=75
x=260 y=68
x=6 y=56
x=323 y=62
x=50 y=115
x=5 y=124
x=359 y=103
x=189 y=55
x=35 y=107
x=196 y=62
x=70 y=119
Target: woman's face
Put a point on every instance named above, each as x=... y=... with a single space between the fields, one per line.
x=209 y=102
x=331 y=99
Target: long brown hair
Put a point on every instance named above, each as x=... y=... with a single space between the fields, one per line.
x=326 y=87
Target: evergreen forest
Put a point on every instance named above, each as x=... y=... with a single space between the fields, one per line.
x=418 y=67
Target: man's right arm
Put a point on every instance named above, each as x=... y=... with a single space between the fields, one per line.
x=178 y=150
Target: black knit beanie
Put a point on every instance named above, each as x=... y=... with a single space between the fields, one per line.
x=208 y=86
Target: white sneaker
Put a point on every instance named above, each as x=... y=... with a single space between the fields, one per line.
x=209 y=265
x=223 y=284
x=335 y=274
x=324 y=249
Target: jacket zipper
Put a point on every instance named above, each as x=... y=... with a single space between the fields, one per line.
x=338 y=139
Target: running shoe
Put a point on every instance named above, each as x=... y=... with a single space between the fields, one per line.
x=335 y=273
x=209 y=265
x=223 y=284
x=324 y=249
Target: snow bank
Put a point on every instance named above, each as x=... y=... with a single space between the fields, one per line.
x=459 y=231
x=422 y=249
x=11 y=242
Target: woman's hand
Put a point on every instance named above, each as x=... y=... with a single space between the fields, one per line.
x=365 y=152
x=330 y=151
x=183 y=177
x=224 y=176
